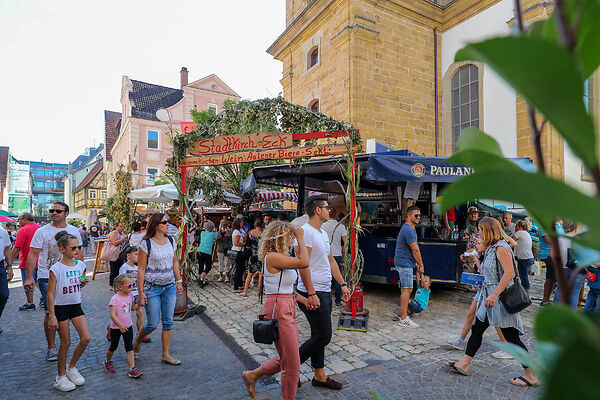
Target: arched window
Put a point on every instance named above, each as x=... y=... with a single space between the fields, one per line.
x=313 y=57
x=464 y=104
x=314 y=105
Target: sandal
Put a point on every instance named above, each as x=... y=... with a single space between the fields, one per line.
x=456 y=369
x=525 y=381
x=172 y=361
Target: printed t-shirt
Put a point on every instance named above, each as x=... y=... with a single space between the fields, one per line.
x=159 y=269
x=94 y=231
x=336 y=233
x=510 y=229
x=123 y=306
x=403 y=256
x=131 y=270
x=43 y=239
x=24 y=236
x=422 y=296
x=207 y=239
x=68 y=284
x=320 y=269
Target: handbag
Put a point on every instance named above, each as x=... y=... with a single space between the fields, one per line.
x=232 y=254
x=514 y=298
x=266 y=331
x=110 y=252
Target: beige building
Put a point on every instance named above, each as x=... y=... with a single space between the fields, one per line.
x=388 y=67
x=142 y=143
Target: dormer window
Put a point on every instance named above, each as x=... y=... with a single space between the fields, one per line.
x=313 y=57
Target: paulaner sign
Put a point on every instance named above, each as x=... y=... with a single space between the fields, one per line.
x=450 y=171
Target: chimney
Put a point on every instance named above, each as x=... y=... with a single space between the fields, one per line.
x=184 y=77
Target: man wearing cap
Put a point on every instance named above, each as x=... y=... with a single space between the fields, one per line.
x=471 y=224
x=315 y=285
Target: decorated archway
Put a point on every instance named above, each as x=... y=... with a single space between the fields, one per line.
x=215 y=149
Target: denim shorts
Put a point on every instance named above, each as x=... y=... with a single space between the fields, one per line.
x=406 y=277
x=415 y=307
x=24 y=277
x=43 y=285
x=160 y=305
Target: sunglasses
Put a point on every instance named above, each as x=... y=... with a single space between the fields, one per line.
x=51 y=211
x=417 y=215
x=129 y=286
x=164 y=222
x=73 y=248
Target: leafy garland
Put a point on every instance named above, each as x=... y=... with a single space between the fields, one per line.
x=246 y=117
x=118 y=207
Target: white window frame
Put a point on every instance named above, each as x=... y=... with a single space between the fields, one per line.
x=103 y=195
x=92 y=194
x=216 y=107
x=152 y=177
x=147 y=140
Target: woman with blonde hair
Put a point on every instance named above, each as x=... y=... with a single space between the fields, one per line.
x=497 y=261
x=279 y=277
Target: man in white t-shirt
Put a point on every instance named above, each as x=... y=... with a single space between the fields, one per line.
x=337 y=239
x=45 y=254
x=6 y=272
x=315 y=285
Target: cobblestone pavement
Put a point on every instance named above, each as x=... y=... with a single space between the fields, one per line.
x=215 y=348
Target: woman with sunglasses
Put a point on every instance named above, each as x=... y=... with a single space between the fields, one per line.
x=159 y=283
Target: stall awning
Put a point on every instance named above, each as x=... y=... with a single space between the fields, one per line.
x=263 y=196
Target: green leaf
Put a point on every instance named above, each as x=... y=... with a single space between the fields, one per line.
x=561 y=325
x=547 y=354
x=548 y=78
x=575 y=375
x=523 y=357
x=588 y=38
x=474 y=139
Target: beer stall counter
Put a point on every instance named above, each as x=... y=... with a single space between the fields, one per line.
x=390 y=183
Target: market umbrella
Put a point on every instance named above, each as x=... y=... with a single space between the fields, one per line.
x=5 y=218
x=92 y=218
x=167 y=193
x=7 y=214
x=75 y=216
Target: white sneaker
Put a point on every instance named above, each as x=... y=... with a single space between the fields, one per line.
x=408 y=323
x=226 y=279
x=220 y=279
x=63 y=384
x=74 y=376
x=502 y=355
x=457 y=344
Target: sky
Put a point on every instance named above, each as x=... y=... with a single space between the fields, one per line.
x=63 y=61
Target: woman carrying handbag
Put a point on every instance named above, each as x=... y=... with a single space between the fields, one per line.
x=498 y=270
x=279 y=278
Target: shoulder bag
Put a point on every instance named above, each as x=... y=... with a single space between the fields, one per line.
x=514 y=297
x=110 y=252
x=266 y=331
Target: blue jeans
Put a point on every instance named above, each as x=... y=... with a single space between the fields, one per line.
x=4 y=292
x=406 y=277
x=43 y=285
x=160 y=305
x=415 y=307
x=337 y=288
x=523 y=265
x=24 y=277
x=579 y=281
x=593 y=300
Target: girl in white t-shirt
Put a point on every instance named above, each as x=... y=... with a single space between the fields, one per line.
x=66 y=278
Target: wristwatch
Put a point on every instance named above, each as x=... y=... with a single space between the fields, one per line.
x=344 y=284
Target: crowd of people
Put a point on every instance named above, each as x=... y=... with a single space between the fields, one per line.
x=296 y=265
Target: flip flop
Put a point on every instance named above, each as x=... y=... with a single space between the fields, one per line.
x=456 y=369
x=527 y=383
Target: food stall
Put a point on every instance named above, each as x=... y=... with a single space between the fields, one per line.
x=390 y=183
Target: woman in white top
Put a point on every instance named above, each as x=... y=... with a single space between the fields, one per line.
x=239 y=237
x=116 y=238
x=273 y=250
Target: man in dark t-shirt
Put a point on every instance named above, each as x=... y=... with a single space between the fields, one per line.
x=94 y=234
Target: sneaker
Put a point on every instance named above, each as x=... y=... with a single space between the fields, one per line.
x=226 y=279
x=74 y=376
x=27 y=307
x=41 y=304
x=220 y=279
x=147 y=339
x=408 y=323
x=52 y=354
x=502 y=355
x=63 y=384
x=134 y=373
x=457 y=343
x=109 y=367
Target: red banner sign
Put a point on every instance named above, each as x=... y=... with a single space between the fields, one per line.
x=274 y=154
x=233 y=143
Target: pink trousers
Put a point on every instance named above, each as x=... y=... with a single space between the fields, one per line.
x=288 y=360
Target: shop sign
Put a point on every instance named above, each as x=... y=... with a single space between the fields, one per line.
x=450 y=171
x=273 y=154
x=242 y=143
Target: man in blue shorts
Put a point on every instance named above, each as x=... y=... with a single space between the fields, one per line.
x=406 y=258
